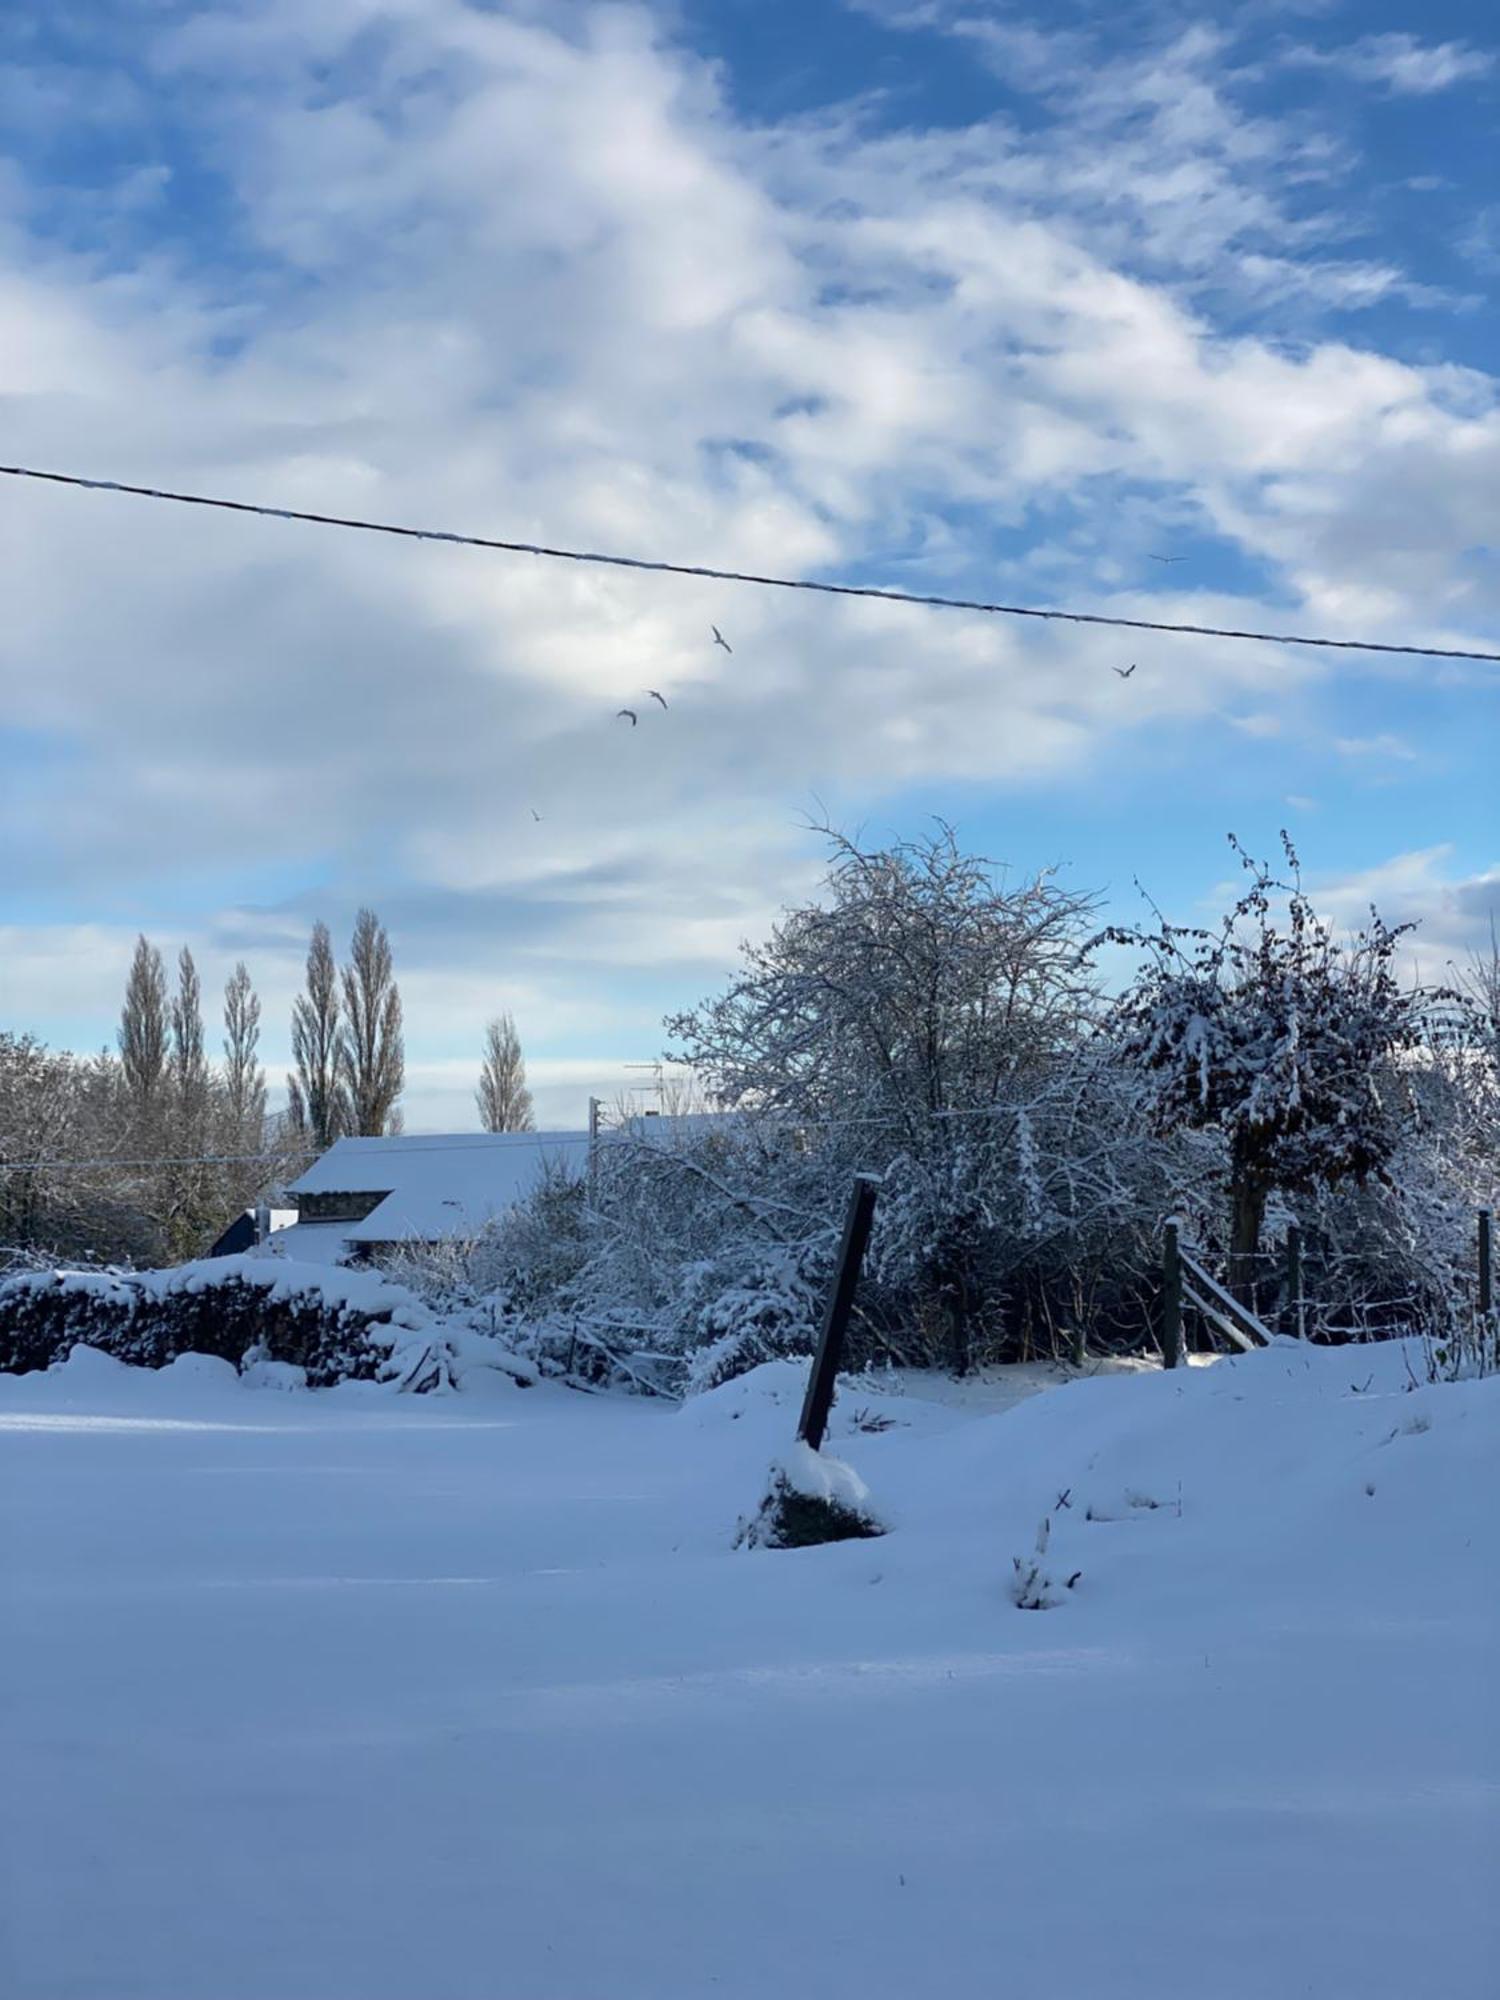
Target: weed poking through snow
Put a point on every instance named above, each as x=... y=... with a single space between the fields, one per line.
x=1035 y=1588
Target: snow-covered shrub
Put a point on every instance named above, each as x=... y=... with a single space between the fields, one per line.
x=810 y=1499
x=760 y=1305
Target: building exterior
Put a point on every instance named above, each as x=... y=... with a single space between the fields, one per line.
x=249 y=1227
x=368 y=1196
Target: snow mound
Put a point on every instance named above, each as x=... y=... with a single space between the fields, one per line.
x=773 y=1386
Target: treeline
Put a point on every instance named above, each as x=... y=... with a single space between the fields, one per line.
x=142 y=1153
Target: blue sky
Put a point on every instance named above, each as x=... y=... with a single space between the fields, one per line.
x=986 y=300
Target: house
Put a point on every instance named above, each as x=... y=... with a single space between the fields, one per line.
x=249 y=1227
x=366 y=1196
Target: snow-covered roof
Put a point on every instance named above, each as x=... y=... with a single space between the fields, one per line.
x=438 y=1184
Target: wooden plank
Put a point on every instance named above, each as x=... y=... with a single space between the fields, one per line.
x=1224 y=1302
x=1215 y=1318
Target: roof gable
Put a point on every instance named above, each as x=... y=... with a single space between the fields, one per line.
x=440 y=1184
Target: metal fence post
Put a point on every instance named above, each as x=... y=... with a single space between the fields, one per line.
x=593 y=1154
x=1171 y=1297
x=819 y=1399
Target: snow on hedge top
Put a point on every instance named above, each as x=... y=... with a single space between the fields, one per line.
x=440 y=1184
x=356 y=1291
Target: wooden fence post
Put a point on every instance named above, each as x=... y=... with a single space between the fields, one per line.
x=1486 y=1294
x=819 y=1399
x=1291 y=1312
x=1171 y=1297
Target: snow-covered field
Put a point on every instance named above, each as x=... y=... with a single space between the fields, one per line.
x=352 y=1696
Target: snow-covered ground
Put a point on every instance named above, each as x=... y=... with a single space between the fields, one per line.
x=352 y=1696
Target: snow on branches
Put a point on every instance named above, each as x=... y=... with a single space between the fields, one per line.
x=1276 y=1034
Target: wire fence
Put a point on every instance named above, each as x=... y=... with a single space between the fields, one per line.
x=1307 y=1285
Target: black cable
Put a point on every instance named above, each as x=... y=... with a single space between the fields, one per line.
x=742 y=576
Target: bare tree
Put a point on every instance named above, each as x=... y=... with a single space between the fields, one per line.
x=191 y=1198
x=144 y=1031
x=503 y=1099
x=189 y=1062
x=244 y=1079
x=314 y=1094
x=371 y=1062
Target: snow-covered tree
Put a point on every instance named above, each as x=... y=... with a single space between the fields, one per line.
x=904 y=1022
x=1274 y=1033
x=922 y=986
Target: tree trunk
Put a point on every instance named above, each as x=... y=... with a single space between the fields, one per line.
x=1248 y=1190
x=958 y=1328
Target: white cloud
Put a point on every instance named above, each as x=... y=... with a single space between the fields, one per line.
x=529 y=273
x=1453 y=914
x=1384 y=746
x=1404 y=65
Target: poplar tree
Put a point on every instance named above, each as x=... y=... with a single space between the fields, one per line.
x=503 y=1099
x=244 y=1078
x=371 y=1059
x=143 y=1036
x=314 y=1093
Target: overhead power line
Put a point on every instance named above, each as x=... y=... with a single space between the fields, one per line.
x=715 y=575
x=557 y=1142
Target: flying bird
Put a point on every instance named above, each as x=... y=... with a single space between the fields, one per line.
x=634 y=718
x=1168 y=559
x=657 y=697
x=720 y=640
x=1124 y=672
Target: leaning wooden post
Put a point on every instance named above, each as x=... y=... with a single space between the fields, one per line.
x=1291 y=1317
x=1171 y=1297
x=1486 y=1294
x=819 y=1399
